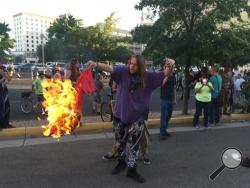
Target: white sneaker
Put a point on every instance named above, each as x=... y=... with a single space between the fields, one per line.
x=197 y=126
x=212 y=124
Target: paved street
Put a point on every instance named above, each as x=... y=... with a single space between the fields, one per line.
x=184 y=160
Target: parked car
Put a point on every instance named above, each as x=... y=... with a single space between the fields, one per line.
x=38 y=66
x=49 y=67
x=6 y=66
x=17 y=65
x=26 y=67
x=50 y=64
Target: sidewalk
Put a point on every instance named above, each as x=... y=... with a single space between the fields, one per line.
x=31 y=129
x=89 y=119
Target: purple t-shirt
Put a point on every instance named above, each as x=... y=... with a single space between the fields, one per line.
x=133 y=106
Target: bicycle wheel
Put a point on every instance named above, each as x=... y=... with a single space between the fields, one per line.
x=106 y=112
x=26 y=106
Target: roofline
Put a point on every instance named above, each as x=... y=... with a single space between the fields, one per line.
x=35 y=15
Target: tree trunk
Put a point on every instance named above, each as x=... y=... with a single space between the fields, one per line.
x=186 y=87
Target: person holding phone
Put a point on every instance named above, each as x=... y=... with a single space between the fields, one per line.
x=203 y=96
x=168 y=100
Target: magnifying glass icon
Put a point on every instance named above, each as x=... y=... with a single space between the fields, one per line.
x=231 y=158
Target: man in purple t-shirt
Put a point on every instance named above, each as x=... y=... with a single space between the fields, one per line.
x=135 y=87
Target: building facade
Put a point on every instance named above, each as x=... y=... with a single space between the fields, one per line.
x=135 y=48
x=28 y=29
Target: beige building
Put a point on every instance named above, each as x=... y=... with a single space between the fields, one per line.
x=134 y=47
x=28 y=29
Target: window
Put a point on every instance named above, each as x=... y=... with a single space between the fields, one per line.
x=37 y=41
x=28 y=49
x=27 y=41
x=36 y=37
x=27 y=36
x=32 y=37
x=32 y=41
x=32 y=50
x=32 y=45
x=27 y=45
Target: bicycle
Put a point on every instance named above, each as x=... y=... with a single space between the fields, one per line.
x=29 y=103
x=107 y=109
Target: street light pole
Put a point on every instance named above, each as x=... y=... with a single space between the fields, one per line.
x=42 y=37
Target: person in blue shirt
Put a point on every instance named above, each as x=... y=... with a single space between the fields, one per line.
x=216 y=80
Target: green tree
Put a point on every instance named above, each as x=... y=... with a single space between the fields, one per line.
x=107 y=41
x=121 y=54
x=53 y=50
x=185 y=28
x=5 y=43
x=231 y=47
x=67 y=39
x=62 y=25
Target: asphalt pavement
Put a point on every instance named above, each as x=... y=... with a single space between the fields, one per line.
x=186 y=159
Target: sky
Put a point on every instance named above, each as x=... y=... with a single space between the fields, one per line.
x=91 y=11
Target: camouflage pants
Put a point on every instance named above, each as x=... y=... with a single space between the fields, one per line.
x=246 y=105
x=128 y=138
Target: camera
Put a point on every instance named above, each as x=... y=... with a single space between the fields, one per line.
x=204 y=80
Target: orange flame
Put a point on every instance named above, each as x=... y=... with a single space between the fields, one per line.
x=60 y=103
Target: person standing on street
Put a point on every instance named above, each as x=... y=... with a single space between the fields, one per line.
x=4 y=99
x=168 y=100
x=96 y=106
x=239 y=80
x=74 y=72
x=226 y=89
x=38 y=89
x=135 y=87
x=216 y=80
x=203 y=90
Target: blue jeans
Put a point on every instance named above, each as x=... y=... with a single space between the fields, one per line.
x=166 y=113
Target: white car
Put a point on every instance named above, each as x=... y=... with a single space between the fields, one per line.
x=39 y=67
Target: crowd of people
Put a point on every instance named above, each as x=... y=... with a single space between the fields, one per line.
x=214 y=95
x=233 y=88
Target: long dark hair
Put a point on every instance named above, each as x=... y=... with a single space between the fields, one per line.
x=73 y=68
x=141 y=70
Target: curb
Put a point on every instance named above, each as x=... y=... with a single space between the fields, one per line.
x=107 y=126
